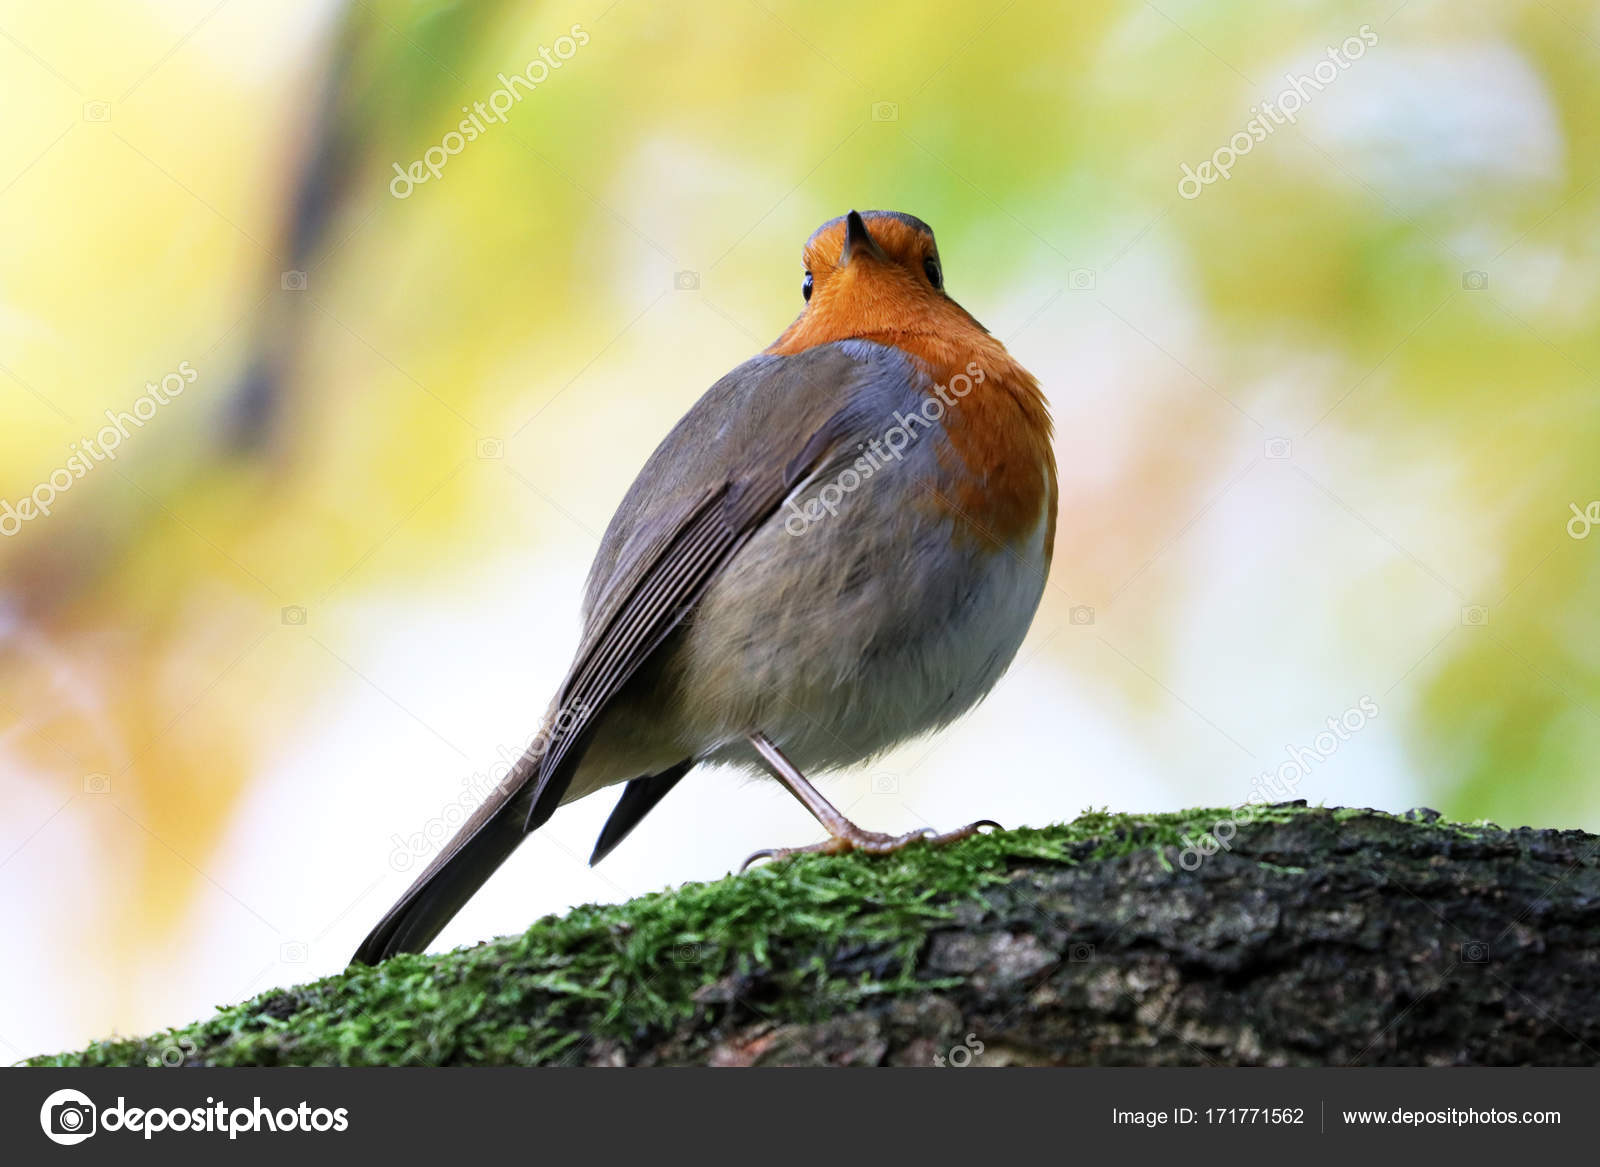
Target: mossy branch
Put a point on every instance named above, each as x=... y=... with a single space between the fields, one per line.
x=1314 y=936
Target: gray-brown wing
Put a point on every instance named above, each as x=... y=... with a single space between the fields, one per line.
x=720 y=474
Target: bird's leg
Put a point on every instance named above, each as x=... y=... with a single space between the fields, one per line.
x=844 y=835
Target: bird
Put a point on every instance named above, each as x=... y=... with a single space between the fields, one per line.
x=841 y=546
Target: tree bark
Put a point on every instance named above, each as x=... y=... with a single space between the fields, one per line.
x=1316 y=941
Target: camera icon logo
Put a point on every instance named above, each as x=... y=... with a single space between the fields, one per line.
x=1474 y=952
x=1080 y=614
x=293 y=952
x=1475 y=616
x=1474 y=281
x=1081 y=279
x=294 y=281
x=1278 y=449
x=97 y=111
x=97 y=783
x=294 y=614
x=686 y=281
x=1080 y=953
x=886 y=111
x=68 y=1117
x=490 y=448
x=886 y=784
x=687 y=954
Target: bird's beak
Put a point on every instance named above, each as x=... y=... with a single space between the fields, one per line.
x=858 y=240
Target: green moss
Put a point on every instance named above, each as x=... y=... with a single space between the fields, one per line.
x=819 y=934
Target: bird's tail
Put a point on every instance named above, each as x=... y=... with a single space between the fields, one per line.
x=519 y=805
x=484 y=842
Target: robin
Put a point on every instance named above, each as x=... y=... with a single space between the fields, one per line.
x=839 y=547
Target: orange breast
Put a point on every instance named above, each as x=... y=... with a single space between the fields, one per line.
x=1001 y=470
x=1004 y=470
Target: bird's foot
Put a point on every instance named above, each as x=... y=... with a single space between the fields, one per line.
x=853 y=838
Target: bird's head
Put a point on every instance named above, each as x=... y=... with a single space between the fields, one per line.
x=874 y=275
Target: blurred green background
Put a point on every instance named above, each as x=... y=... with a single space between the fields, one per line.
x=1327 y=430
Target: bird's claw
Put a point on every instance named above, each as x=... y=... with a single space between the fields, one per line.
x=870 y=842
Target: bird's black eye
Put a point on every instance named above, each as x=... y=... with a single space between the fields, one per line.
x=805 y=286
x=935 y=276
